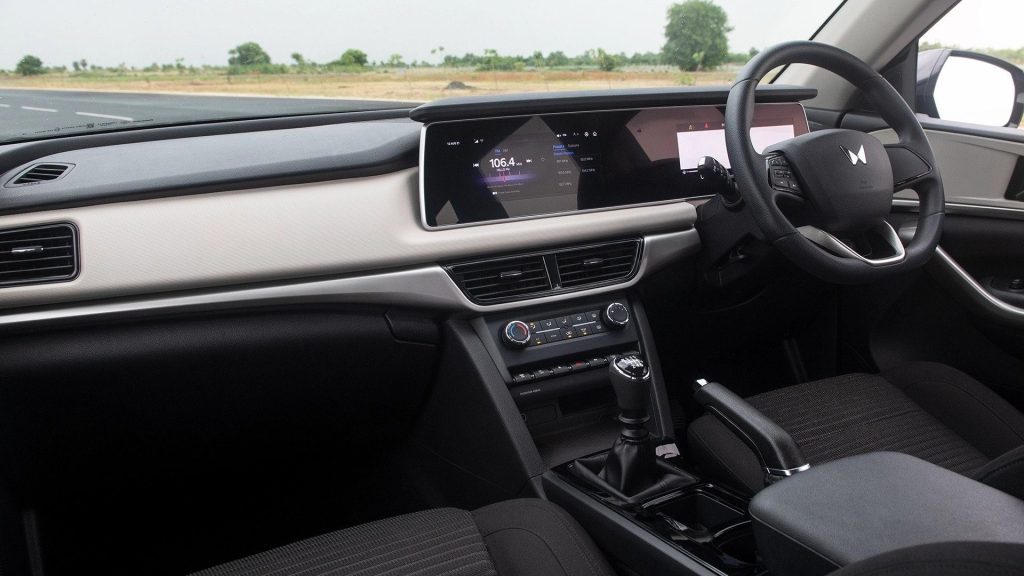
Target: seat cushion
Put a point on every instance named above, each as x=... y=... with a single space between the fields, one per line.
x=509 y=538
x=923 y=409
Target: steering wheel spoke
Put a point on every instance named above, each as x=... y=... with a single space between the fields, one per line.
x=908 y=167
x=839 y=248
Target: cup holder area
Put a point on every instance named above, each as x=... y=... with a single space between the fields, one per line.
x=708 y=524
x=701 y=511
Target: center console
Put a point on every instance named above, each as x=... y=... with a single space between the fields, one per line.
x=609 y=450
x=554 y=360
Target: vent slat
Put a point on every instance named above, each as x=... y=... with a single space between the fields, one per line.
x=30 y=260
x=40 y=269
x=625 y=268
x=40 y=173
x=52 y=256
x=65 y=237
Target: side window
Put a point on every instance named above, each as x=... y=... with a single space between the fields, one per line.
x=968 y=67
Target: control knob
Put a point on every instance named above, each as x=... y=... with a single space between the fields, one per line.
x=616 y=315
x=516 y=334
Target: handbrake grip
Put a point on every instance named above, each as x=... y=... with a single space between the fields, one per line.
x=778 y=453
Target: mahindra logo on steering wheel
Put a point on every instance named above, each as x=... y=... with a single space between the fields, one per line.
x=860 y=156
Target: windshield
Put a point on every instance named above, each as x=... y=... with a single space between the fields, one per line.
x=123 y=64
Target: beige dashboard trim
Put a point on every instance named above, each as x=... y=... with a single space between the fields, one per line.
x=288 y=233
x=424 y=287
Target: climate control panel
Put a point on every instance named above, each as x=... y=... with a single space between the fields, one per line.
x=523 y=334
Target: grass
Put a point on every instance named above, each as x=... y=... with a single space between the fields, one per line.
x=416 y=84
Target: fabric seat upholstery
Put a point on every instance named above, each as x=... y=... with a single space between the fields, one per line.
x=512 y=538
x=924 y=409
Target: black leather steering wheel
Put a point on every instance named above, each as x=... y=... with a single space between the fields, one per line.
x=840 y=181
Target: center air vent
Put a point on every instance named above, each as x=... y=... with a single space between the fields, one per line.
x=38 y=254
x=597 y=264
x=40 y=173
x=502 y=279
x=519 y=277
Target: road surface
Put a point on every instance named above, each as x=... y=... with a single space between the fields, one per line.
x=30 y=114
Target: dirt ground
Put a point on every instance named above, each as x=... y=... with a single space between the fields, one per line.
x=417 y=84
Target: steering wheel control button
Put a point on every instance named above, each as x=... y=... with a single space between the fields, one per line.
x=516 y=334
x=616 y=315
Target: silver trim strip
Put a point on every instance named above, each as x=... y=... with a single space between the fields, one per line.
x=839 y=248
x=787 y=472
x=972 y=293
x=958 y=208
x=424 y=287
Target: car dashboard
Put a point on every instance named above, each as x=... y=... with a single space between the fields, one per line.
x=370 y=207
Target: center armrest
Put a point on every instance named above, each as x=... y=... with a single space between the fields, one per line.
x=851 y=509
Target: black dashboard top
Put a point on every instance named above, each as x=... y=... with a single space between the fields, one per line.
x=490 y=106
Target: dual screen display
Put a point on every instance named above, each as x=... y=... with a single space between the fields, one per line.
x=495 y=169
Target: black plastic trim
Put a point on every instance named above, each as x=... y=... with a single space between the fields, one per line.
x=470 y=107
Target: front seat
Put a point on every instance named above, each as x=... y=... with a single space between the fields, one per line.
x=513 y=538
x=924 y=409
x=536 y=538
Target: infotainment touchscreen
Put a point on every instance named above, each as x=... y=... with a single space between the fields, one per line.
x=476 y=171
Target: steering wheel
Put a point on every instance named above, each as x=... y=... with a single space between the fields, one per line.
x=841 y=181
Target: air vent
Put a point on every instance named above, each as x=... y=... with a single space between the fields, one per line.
x=502 y=279
x=597 y=264
x=39 y=254
x=40 y=173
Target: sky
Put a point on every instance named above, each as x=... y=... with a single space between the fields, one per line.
x=140 y=32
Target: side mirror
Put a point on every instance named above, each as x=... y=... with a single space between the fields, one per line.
x=969 y=87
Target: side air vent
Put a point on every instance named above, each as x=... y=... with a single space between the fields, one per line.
x=502 y=279
x=524 y=276
x=40 y=173
x=38 y=254
x=597 y=264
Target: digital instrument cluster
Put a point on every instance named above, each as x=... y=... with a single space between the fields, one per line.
x=476 y=171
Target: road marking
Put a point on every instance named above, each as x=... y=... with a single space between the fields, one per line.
x=111 y=116
x=94 y=115
x=38 y=109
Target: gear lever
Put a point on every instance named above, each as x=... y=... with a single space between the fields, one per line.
x=631 y=464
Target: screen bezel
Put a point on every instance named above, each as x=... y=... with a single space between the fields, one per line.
x=423 y=146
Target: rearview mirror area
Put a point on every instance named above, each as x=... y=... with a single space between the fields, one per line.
x=969 y=87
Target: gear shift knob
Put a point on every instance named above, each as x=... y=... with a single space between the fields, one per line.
x=631 y=379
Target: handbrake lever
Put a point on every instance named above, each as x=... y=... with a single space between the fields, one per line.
x=779 y=455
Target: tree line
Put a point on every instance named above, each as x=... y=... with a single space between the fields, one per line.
x=695 y=39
